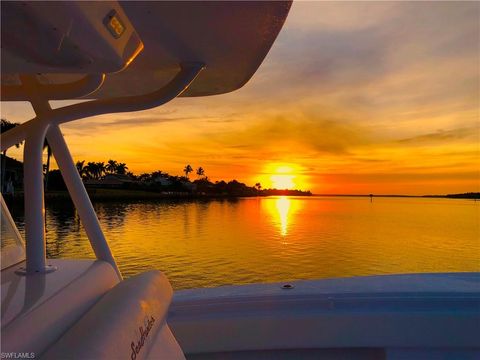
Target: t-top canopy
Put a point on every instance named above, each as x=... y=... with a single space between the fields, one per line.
x=138 y=44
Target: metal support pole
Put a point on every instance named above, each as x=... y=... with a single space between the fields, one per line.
x=34 y=202
x=33 y=181
x=80 y=197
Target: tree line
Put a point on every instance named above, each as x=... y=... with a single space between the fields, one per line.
x=97 y=170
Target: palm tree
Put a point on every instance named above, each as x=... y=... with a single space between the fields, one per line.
x=100 y=169
x=258 y=186
x=121 y=168
x=92 y=170
x=200 y=172
x=5 y=126
x=111 y=166
x=82 y=170
x=187 y=170
x=47 y=166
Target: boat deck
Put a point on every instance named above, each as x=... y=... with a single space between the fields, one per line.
x=393 y=316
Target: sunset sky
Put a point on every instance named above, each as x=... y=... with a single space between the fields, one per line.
x=353 y=98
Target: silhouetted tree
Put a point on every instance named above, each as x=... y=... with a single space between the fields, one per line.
x=200 y=172
x=111 y=166
x=82 y=170
x=258 y=186
x=91 y=170
x=144 y=177
x=47 y=166
x=100 y=169
x=121 y=168
x=95 y=169
x=157 y=174
x=187 y=170
x=5 y=126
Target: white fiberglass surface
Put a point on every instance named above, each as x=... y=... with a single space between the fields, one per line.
x=12 y=244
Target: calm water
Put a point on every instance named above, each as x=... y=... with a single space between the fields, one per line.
x=204 y=244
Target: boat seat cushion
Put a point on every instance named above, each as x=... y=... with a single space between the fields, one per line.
x=124 y=324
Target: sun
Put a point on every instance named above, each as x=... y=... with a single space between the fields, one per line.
x=283 y=181
x=282 y=176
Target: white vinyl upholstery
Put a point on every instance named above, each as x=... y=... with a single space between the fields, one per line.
x=127 y=323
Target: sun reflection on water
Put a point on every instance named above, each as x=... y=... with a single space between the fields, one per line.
x=282 y=211
x=282 y=205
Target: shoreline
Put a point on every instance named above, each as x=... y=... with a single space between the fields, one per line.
x=101 y=195
x=472 y=196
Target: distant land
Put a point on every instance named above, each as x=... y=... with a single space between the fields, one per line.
x=468 y=195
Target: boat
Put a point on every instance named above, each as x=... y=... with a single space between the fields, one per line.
x=121 y=56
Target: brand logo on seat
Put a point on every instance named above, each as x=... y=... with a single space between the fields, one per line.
x=136 y=347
